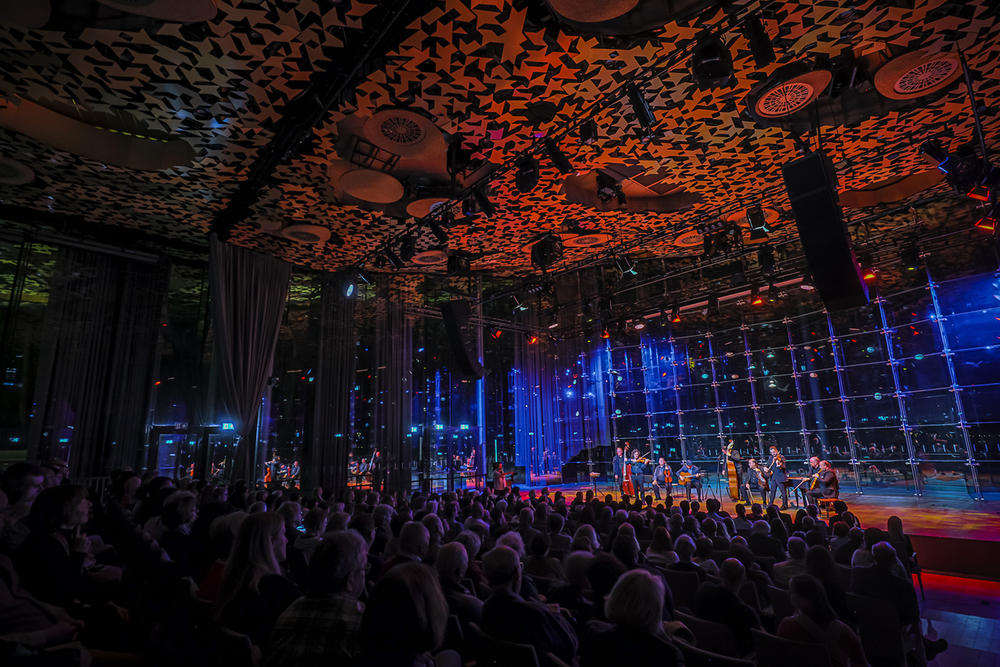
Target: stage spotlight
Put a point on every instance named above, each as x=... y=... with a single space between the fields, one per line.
x=349 y=288
x=531 y=338
x=588 y=132
x=393 y=258
x=765 y=258
x=713 y=304
x=608 y=187
x=979 y=192
x=867 y=270
x=546 y=252
x=643 y=114
x=737 y=277
x=711 y=62
x=526 y=176
x=495 y=333
x=553 y=322
x=988 y=222
x=910 y=256
x=807 y=282
x=626 y=265
x=605 y=334
x=515 y=304
x=759 y=229
x=639 y=324
x=755 y=299
x=935 y=151
x=407 y=248
x=484 y=203
x=675 y=314
x=438 y=231
x=760 y=43
x=559 y=159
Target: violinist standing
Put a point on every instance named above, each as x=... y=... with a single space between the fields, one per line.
x=638 y=470
x=779 y=477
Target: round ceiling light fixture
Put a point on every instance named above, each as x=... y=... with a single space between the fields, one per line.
x=400 y=131
x=917 y=73
x=13 y=172
x=372 y=186
x=792 y=95
x=308 y=234
x=431 y=257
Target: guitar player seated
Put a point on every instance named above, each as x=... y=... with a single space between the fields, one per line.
x=688 y=476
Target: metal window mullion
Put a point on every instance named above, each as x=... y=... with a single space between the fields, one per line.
x=715 y=389
x=844 y=401
x=677 y=396
x=798 y=385
x=753 y=388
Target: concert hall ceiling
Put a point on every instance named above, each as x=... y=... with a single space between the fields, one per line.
x=155 y=127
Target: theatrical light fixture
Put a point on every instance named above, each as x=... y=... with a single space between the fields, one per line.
x=484 y=203
x=989 y=220
x=639 y=324
x=516 y=305
x=979 y=192
x=393 y=258
x=558 y=158
x=526 y=176
x=588 y=132
x=626 y=265
x=759 y=229
x=553 y=322
x=531 y=338
x=910 y=256
x=982 y=190
x=760 y=43
x=643 y=114
x=737 y=277
x=713 y=304
x=546 y=251
x=807 y=282
x=349 y=288
x=765 y=258
x=605 y=334
x=937 y=152
x=711 y=62
x=867 y=270
x=608 y=187
x=675 y=314
x=495 y=333
x=755 y=299
x=438 y=231
x=407 y=248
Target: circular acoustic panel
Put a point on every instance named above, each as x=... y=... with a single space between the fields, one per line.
x=740 y=217
x=177 y=11
x=399 y=131
x=592 y=11
x=585 y=240
x=372 y=186
x=689 y=241
x=421 y=208
x=33 y=14
x=916 y=74
x=892 y=190
x=793 y=95
x=431 y=257
x=13 y=172
x=306 y=233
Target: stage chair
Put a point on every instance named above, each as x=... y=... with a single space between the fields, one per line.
x=882 y=635
x=696 y=657
x=708 y=633
x=826 y=505
x=777 y=652
x=490 y=651
x=781 y=604
x=683 y=585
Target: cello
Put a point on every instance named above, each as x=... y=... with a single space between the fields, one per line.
x=731 y=474
x=628 y=488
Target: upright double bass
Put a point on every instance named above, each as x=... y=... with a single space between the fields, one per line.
x=628 y=488
x=732 y=474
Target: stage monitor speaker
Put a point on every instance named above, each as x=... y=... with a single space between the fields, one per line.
x=811 y=182
x=456 y=313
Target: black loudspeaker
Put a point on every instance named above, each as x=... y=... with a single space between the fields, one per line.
x=811 y=182
x=456 y=313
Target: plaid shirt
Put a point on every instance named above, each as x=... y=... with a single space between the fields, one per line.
x=313 y=631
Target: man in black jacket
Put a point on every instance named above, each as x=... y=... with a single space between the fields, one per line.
x=721 y=603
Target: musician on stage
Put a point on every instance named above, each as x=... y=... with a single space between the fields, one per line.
x=694 y=482
x=756 y=482
x=499 y=479
x=825 y=483
x=638 y=470
x=733 y=455
x=617 y=465
x=778 y=468
x=663 y=478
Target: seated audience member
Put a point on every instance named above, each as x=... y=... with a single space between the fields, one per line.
x=179 y=514
x=573 y=592
x=754 y=573
x=254 y=593
x=840 y=533
x=710 y=527
x=820 y=564
x=863 y=557
x=636 y=634
x=721 y=603
x=586 y=531
x=899 y=540
x=53 y=559
x=21 y=482
x=435 y=531
x=686 y=549
x=559 y=539
x=703 y=556
x=879 y=581
x=507 y=616
x=414 y=540
x=740 y=521
x=451 y=565
x=795 y=565
x=815 y=622
x=661 y=551
x=762 y=544
x=314 y=522
x=221 y=535
x=323 y=626
x=404 y=620
x=855 y=541
x=538 y=563
x=291 y=513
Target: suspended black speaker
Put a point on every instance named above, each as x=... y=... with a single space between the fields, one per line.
x=456 y=314
x=811 y=182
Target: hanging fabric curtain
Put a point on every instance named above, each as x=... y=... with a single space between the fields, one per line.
x=99 y=342
x=393 y=366
x=248 y=292
x=334 y=379
x=537 y=443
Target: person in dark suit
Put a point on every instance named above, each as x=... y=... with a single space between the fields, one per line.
x=507 y=616
x=828 y=486
x=662 y=478
x=638 y=471
x=778 y=468
x=451 y=564
x=721 y=603
x=617 y=464
x=762 y=544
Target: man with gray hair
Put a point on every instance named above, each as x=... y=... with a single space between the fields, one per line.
x=796 y=563
x=323 y=626
x=721 y=603
x=507 y=616
x=414 y=540
x=451 y=564
x=762 y=544
x=525 y=519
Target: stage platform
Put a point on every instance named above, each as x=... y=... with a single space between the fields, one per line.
x=951 y=536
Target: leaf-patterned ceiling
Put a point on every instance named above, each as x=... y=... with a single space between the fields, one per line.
x=476 y=70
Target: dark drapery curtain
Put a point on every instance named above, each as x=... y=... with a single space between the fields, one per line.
x=335 y=372
x=98 y=361
x=393 y=388
x=537 y=444
x=248 y=292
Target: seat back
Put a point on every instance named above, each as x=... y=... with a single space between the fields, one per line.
x=719 y=555
x=490 y=651
x=781 y=604
x=845 y=576
x=774 y=651
x=696 y=657
x=880 y=629
x=749 y=595
x=766 y=563
x=543 y=584
x=708 y=633
x=683 y=585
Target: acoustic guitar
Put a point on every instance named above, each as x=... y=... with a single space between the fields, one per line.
x=685 y=477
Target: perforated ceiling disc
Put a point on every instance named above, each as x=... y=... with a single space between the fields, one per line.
x=689 y=242
x=423 y=207
x=180 y=11
x=371 y=186
x=592 y=11
x=13 y=172
x=430 y=257
x=916 y=74
x=584 y=240
x=306 y=233
x=793 y=95
x=399 y=131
